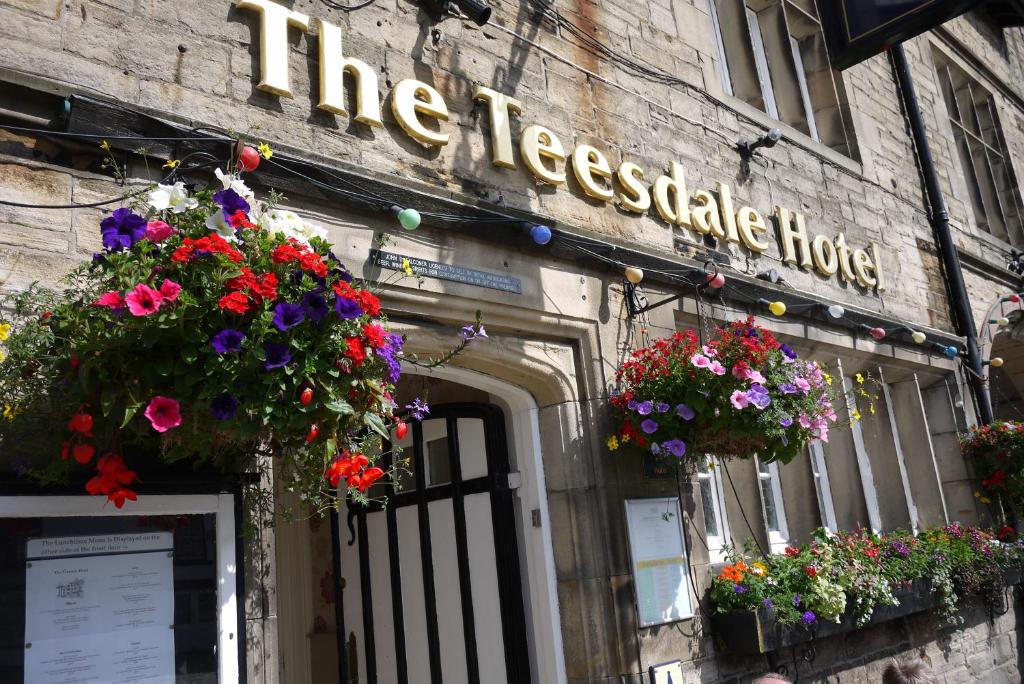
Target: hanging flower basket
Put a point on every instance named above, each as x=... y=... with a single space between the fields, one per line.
x=212 y=329
x=997 y=454
x=742 y=393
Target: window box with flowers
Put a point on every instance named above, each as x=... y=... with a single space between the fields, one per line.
x=742 y=393
x=840 y=583
x=996 y=452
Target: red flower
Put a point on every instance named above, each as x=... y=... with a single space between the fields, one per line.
x=811 y=571
x=112 y=480
x=375 y=335
x=343 y=289
x=264 y=288
x=792 y=551
x=235 y=302
x=282 y=254
x=369 y=302
x=81 y=423
x=871 y=551
x=367 y=478
x=83 y=453
x=355 y=350
x=311 y=261
x=345 y=466
x=240 y=220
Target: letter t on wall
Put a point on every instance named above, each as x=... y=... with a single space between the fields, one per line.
x=274 y=22
x=498 y=108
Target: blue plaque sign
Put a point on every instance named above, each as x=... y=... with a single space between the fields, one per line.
x=456 y=274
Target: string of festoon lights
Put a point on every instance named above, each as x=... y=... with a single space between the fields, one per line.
x=246 y=157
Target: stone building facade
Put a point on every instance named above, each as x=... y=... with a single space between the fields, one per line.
x=650 y=83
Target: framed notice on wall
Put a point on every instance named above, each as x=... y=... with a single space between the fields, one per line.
x=660 y=564
x=100 y=609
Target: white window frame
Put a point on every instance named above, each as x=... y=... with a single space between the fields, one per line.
x=716 y=543
x=819 y=471
x=778 y=539
x=221 y=505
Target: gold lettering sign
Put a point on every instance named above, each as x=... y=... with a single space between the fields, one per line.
x=419 y=109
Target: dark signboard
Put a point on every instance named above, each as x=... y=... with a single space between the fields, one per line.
x=457 y=274
x=858 y=29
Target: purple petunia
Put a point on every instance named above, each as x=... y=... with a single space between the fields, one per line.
x=227 y=341
x=472 y=332
x=808 y=618
x=758 y=396
x=278 y=355
x=661 y=407
x=796 y=600
x=786 y=422
x=739 y=588
x=644 y=408
x=768 y=603
x=685 y=412
x=649 y=426
x=631 y=404
x=787 y=388
x=347 y=308
x=655 y=448
x=788 y=351
x=224 y=406
x=676 y=447
x=122 y=229
x=230 y=202
x=287 y=316
x=417 y=409
x=314 y=306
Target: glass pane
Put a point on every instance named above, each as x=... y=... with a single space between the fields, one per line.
x=472 y=448
x=770 y=513
x=435 y=452
x=134 y=594
x=707 y=499
x=763 y=468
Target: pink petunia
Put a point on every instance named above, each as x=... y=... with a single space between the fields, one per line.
x=805 y=422
x=169 y=290
x=144 y=300
x=755 y=377
x=700 y=361
x=112 y=300
x=164 y=413
x=158 y=231
x=802 y=385
x=717 y=368
x=739 y=399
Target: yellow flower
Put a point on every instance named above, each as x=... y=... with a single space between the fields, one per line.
x=855 y=414
x=5 y=331
x=985 y=500
x=171 y=164
x=859 y=378
x=828 y=379
x=407 y=267
x=624 y=439
x=872 y=409
x=613 y=443
x=105 y=146
x=759 y=569
x=3 y=355
x=265 y=150
x=9 y=412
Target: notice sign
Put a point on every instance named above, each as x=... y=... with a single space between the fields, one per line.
x=456 y=274
x=100 y=609
x=659 y=560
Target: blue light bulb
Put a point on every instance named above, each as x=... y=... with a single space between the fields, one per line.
x=540 y=234
x=951 y=352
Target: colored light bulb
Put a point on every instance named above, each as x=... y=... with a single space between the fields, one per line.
x=836 y=311
x=633 y=274
x=409 y=218
x=777 y=308
x=918 y=337
x=996 y=362
x=951 y=352
x=716 y=280
x=1002 y=320
x=877 y=334
x=1015 y=298
x=540 y=234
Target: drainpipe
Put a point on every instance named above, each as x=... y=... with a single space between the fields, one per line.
x=939 y=218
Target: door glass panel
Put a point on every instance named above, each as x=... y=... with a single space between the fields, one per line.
x=414 y=610
x=490 y=645
x=472 y=448
x=447 y=592
x=435 y=452
x=380 y=590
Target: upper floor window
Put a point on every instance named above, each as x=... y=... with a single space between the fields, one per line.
x=712 y=497
x=772 y=56
x=994 y=196
x=772 y=503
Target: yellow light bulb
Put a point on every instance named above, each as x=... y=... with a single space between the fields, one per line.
x=634 y=274
x=777 y=308
x=996 y=362
x=918 y=337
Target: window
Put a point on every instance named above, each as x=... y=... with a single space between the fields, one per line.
x=982 y=150
x=772 y=56
x=822 y=488
x=772 y=504
x=712 y=498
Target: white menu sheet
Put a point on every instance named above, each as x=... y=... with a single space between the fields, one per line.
x=659 y=560
x=100 y=609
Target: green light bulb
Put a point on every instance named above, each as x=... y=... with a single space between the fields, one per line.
x=409 y=218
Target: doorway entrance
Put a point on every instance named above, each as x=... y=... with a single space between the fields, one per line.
x=431 y=588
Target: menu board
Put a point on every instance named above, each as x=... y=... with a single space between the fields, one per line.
x=659 y=560
x=100 y=609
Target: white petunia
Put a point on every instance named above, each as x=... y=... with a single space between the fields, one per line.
x=229 y=180
x=174 y=197
x=216 y=222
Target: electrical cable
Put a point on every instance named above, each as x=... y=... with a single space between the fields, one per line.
x=97 y=136
x=348 y=8
x=743 y=513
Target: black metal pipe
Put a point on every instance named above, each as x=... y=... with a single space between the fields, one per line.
x=939 y=218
